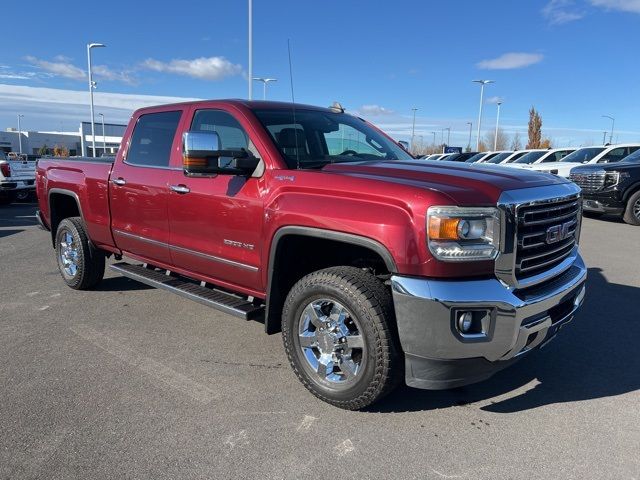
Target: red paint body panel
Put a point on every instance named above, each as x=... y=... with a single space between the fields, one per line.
x=222 y=230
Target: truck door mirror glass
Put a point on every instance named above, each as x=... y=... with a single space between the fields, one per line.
x=202 y=156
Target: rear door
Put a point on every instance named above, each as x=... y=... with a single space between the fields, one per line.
x=139 y=187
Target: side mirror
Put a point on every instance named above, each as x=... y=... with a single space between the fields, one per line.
x=202 y=156
x=404 y=145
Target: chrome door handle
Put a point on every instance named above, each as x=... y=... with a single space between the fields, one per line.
x=180 y=188
x=119 y=181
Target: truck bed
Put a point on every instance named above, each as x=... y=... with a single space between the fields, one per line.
x=88 y=179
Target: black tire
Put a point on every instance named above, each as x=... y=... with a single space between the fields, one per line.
x=368 y=300
x=7 y=198
x=89 y=261
x=592 y=214
x=632 y=212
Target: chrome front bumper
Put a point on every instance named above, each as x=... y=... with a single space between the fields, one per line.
x=438 y=356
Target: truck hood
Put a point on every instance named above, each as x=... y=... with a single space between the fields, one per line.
x=465 y=184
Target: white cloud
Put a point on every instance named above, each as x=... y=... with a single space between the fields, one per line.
x=494 y=100
x=102 y=72
x=61 y=67
x=45 y=108
x=632 y=6
x=558 y=12
x=374 y=110
x=509 y=61
x=211 y=68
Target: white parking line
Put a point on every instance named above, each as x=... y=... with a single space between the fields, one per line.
x=159 y=371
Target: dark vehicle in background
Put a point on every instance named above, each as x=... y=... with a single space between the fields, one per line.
x=612 y=188
x=460 y=157
x=497 y=157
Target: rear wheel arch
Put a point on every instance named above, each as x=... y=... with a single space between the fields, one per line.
x=63 y=204
x=371 y=252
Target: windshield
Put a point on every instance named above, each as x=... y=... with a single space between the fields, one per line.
x=633 y=158
x=317 y=138
x=476 y=157
x=499 y=157
x=583 y=155
x=530 y=157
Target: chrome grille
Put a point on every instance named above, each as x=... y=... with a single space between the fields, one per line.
x=589 y=182
x=545 y=235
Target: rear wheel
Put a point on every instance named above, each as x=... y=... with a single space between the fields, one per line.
x=632 y=212
x=81 y=264
x=337 y=327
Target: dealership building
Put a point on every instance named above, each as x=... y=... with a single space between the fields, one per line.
x=78 y=143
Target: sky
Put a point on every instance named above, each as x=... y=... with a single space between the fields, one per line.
x=574 y=60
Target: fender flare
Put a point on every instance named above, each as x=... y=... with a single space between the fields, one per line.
x=630 y=190
x=271 y=324
x=68 y=193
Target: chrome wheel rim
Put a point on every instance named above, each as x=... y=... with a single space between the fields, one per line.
x=331 y=342
x=68 y=255
x=636 y=209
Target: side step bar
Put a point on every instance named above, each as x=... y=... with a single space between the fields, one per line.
x=226 y=302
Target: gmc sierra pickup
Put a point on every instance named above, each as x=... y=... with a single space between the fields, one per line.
x=376 y=267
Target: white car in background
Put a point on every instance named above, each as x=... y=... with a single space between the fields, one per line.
x=588 y=155
x=540 y=156
x=484 y=157
x=519 y=154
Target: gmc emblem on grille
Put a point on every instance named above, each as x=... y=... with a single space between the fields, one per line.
x=559 y=232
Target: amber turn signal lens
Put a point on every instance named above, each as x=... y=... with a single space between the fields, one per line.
x=443 y=228
x=194 y=162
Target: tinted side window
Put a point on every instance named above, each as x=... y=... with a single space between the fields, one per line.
x=152 y=139
x=232 y=135
x=614 y=155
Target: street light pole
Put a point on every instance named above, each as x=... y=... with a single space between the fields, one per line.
x=104 y=138
x=613 y=123
x=482 y=84
x=469 y=142
x=264 y=84
x=92 y=85
x=250 y=50
x=413 y=128
x=20 y=133
x=434 y=138
x=448 y=129
x=495 y=140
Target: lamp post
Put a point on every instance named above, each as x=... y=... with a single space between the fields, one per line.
x=413 y=128
x=264 y=84
x=250 y=50
x=469 y=142
x=613 y=123
x=434 y=138
x=92 y=85
x=20 y=133
x=482 y=84
x=495 y=139
x=104 y=138
x=448 y=129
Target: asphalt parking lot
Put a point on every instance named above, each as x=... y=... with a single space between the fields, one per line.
x=132 y=382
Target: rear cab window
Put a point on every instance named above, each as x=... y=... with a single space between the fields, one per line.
x=152 y=138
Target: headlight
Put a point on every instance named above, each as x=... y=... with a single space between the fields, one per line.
x=612 y=179
x=461 y=233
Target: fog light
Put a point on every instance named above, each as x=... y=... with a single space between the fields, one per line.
x=465 y=321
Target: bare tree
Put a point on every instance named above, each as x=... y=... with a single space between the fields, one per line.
x=489 y=139
x=535 y=129
x=516 y=143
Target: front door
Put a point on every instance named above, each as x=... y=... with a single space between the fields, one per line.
x=139 y=189
x=216 y=222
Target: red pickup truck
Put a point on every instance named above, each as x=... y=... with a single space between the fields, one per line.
x=376 y=267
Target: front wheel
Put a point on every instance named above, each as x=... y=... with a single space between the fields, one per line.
x=632 y=212
x=339 y=335
x=81 y=264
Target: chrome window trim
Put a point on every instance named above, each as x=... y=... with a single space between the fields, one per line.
x=188 y=251
x=509 y=203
